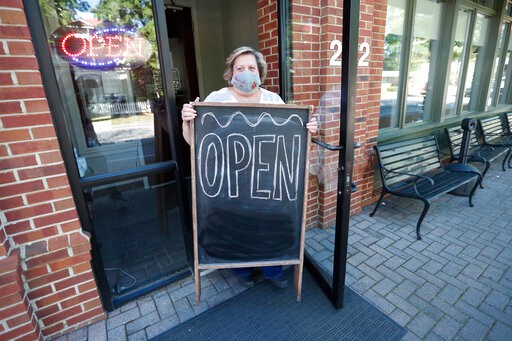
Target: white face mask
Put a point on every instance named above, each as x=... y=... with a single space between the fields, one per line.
x=246 y=81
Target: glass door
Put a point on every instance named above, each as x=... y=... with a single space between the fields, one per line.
x=110 y=81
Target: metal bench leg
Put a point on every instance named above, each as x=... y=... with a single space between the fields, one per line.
x=423 y=214
x=487 y=166
x=473 y=192
x=378 y=203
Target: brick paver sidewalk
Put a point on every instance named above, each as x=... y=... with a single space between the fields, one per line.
x=454 y=284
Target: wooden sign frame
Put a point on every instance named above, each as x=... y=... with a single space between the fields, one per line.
x=284 y=114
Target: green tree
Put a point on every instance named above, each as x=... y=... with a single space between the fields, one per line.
x=65 y=9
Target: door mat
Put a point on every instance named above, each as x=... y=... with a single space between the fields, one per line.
x=267 y=313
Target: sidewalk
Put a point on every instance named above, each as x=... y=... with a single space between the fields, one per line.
x=456 y=283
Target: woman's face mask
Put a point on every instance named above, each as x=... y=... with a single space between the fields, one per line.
x=246 y=81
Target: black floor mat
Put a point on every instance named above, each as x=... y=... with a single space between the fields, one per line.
x=268 y=313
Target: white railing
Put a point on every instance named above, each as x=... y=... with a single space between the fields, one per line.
x=129 y=108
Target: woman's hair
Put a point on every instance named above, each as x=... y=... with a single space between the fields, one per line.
x=230 y=62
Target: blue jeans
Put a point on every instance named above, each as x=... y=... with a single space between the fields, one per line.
x=269 y=272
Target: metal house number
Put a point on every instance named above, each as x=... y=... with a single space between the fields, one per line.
x=336 y=46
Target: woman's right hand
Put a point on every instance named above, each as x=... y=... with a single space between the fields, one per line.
x=187 y=112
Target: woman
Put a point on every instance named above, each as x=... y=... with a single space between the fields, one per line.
x=245 y=71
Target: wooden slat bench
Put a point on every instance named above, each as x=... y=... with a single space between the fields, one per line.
x=413 y=169
x=493 y=134
x=477 y=152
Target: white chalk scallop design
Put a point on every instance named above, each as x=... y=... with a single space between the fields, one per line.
x=249 y=123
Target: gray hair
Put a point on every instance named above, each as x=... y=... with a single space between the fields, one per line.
x=230 y=62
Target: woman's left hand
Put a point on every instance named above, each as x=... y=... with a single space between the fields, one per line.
x=312 y=125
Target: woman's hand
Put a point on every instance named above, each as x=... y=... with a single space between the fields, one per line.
x=187 y=112
x=312 y=125
x=187 y=115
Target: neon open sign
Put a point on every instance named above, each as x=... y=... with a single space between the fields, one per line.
x=106 y=48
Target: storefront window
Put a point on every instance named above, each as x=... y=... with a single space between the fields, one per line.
x=425 y=44
x=505 y=93
x=457 y=65
x=476 y=63
x=106 y=64
x=412 y=85
x=392 y=57
x=495 y=81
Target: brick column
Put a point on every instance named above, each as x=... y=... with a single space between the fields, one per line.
x=39 y=221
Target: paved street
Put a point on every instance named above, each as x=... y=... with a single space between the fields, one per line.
x=454 y=284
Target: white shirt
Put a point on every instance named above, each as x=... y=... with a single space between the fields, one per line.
x=224 y=95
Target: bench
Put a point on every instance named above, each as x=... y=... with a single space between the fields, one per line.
x=477 y=152
x=493 y=134
x=413 y=169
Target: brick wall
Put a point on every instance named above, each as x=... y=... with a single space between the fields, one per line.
x=53 y=288
x=314 y=25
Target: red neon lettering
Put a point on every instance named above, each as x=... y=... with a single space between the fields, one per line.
x=64 y=42
x=111 y=46
x=100 y=44
x=134 y=46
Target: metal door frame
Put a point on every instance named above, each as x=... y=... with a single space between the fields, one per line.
x=62 y=127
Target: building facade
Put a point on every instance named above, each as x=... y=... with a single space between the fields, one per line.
x=94 y=172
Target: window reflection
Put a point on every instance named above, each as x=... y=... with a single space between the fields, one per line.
x=475 y=64
x=456 y=66
x=105 y=58
x=491 y=101
x=424 y=48
x=391 y=70
x=505 y=93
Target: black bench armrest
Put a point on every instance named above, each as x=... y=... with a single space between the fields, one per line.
x=462 y=167
x=418 y=178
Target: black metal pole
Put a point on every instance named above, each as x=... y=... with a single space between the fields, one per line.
x=346 y=155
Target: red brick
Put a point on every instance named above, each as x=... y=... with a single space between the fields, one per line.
x=53 y=329
x=48 y=195
x=81 y=249
x=56 y=218
x=9 y=17
x=6 y=79
x=18 y=162
x=61 y=315
x=42 y=171
x=35 y=272
x=18 y=63
x=16 y=32
x=71 y=261
x=96 y=303
x=50 y=157
x=14 y=135
x=79 y=299
x=47 y=311
x=13 y=311
x=43 y=132
x=75 y=280
x=10 y=108
x=26 y=120
x=40 y=292
x=16 y=332
x=21 y=47
x=64 y=205
x=29 y=78
x=57 y=181
x=55 y=297
x=20 y=226
x=36 y=248
x=9 y=277
x=86 y=316
x=82 y=267
x=6 y=301
x=28 y=212
x=47 y=258
x=59 y=242
x=36 y=106
x=13 y=202
x=18 y=320
x=7 y=177
x=12 y=3
x=36 y=146
x=87 y=286
x=71 y=226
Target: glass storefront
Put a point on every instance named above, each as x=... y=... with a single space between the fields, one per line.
x=110 y=81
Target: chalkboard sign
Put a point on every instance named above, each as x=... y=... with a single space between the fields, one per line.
x=249 y=170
